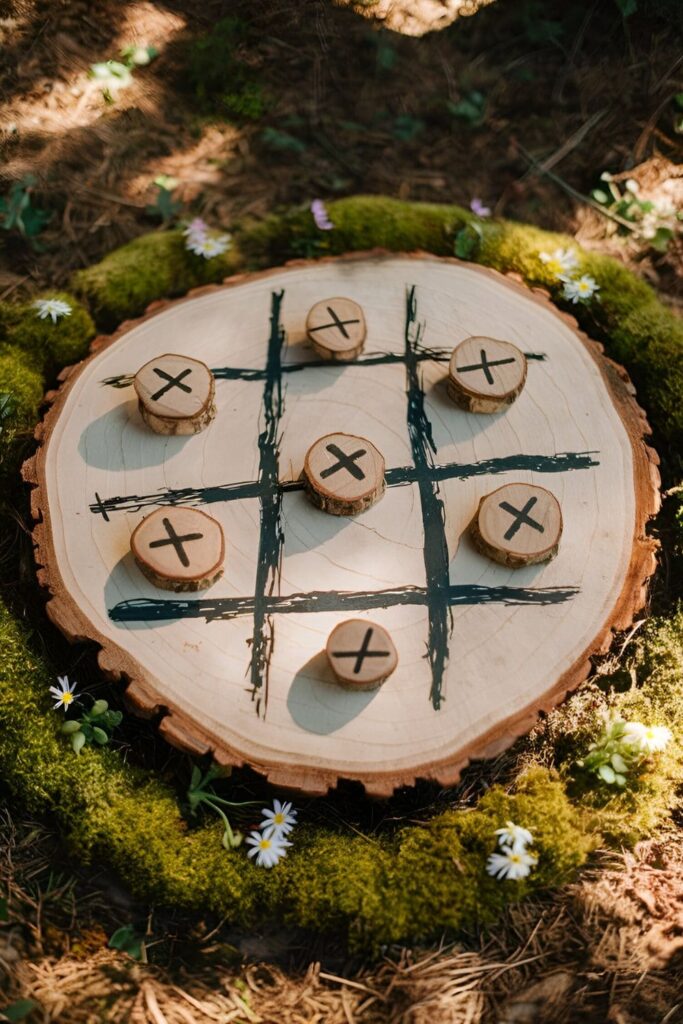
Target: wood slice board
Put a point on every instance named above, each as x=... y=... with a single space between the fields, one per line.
x=241 y=669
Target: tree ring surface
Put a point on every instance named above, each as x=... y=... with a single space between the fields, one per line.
x=241 y=671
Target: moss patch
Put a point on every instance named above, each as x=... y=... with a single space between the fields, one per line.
x=48 y=345
x=153 y=266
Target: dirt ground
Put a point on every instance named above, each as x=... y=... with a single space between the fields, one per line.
x=349 y=107
x=567 y=91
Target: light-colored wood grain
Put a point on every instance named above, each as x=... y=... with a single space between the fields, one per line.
x=180 y=549
x=175 y=394
x=518 y=525
x=336 y=329
x=507 y=660
x=361 y=653
x=485 y=375
x=344 y=474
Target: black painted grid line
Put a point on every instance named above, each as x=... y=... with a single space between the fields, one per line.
x=271 y=539
x=435 y=545
x=437 y=355
x=395 y=476
x=214 y=609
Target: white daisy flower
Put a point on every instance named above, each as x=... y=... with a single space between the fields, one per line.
x=268 y=850
x=649 y=738
x=209 y=246
x=64 y=694
x=53 y=308
x=279 y=821
x=561 y=263
x=512 y=864
x=582 y=289
x=514 y=836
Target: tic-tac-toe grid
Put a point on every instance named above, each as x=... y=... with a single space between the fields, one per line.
x=438 y=594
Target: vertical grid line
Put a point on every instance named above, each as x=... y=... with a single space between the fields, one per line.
x=435 y=548
x=272 y=536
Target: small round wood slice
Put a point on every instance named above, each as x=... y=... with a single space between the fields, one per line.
x=517 y=525
x=179 y=549
x=486 y=375
x=336 y=329
x=361 y=653
x=344 y=474
x=175 y=394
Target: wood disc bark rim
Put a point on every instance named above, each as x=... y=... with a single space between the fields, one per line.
x=118 y=664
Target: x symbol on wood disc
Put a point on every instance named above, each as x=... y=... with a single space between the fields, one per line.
x=336 y=322
x=173 y=382
x=363 y=652
x=522 y=517
x=347 y=462
x=176 y=540
x=484 y=365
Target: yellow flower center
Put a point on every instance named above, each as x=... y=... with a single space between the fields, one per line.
x=554 y=266
x=515 y=858
x=265 y=844
x=279 y=819
x=67 y=698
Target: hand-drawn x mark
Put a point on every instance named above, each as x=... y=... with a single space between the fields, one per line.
x=177 y=541
x=336 y=322
x=173 y=382
x=347 y=462
x=363 y=652
x=484 y=365
x=522 y=517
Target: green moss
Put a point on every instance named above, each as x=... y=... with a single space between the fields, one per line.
x=48 y=344
x=360 y=222
x=20 y=378
x=124 y=283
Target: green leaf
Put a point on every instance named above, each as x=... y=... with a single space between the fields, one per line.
x=283 y=141
x=99 y=735
x=600 y=196
x=618 y=763
x=19 y=1010
x=661 y=240
x=607 y=774
x=471 y=108
x=73 y=725
x=406 y=127
x=98 y=708
x=128 y=940
x=78 y=742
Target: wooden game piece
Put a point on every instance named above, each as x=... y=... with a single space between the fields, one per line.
x=517 y=525
x=361 y=653
x=486 y=375
x=336 y=329
x=175 y=394
x=179 y=549
x=343 y=474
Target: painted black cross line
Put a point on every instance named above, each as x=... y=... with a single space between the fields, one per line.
x=484 y=365
x=522 y=518
x=176 y=540
x=173 y=382
x=336 y=322
x=347 y=462
x=362 y=653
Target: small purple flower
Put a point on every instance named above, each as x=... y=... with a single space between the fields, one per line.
x=476 y=206
x=320 y=215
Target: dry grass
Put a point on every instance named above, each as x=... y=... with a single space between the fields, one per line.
x=609 y=948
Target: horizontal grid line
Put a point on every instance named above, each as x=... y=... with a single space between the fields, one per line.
x=396 y=476
x=222 y=608
x=436 y=355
